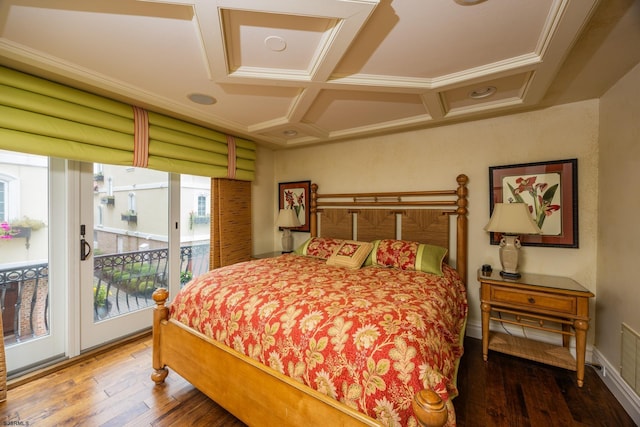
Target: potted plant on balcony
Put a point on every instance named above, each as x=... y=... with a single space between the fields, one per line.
x=98 y=177
x=185 y=277
x=19 y=228
x=101 y=301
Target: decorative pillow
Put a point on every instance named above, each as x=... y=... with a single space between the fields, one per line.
x=407 y=255
x=319 y=247
x=350 y=254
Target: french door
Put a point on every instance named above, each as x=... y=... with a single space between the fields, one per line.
x=124 y=237
x=82 y=247
x=33 y=271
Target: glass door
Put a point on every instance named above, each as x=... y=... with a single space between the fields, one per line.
x=32 y=263
x=124 y=249
x=83 y=246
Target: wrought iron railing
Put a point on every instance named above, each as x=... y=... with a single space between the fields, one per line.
x=122 y=283
x=24 y=299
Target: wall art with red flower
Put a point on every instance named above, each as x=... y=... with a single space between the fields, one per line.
x=550 y=191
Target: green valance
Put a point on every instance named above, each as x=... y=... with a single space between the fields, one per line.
x=38 y=116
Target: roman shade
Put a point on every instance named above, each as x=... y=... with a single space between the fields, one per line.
x=38 y=116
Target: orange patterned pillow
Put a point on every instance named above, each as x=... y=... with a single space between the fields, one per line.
x=397 y=253
x=319 y=247
x=350 y=254
x=406 y=255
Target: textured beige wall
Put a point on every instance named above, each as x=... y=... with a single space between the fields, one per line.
x=263 y=195
x=432 y=158
x=619 y=233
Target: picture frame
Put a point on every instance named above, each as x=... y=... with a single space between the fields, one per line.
x=296 y=195
x=551 y=191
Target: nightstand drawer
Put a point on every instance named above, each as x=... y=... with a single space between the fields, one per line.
x=533 y=300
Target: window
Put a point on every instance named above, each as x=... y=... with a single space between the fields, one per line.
x=10 y=185
x=132 y=202
x=202 y=205
x=3 y=201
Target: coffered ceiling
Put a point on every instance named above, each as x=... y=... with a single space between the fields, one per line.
x=287 y=73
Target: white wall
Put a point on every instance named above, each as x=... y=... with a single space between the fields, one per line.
x=619 y=234
x=432 y=158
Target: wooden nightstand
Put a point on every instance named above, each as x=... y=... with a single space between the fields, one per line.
x=536 y=301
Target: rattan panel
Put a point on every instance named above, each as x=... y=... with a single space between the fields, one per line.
x=230 y=222
x=426 y=226
x=336 y=223
x=376 y=224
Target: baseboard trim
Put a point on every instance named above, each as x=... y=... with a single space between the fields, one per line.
x=610 y=375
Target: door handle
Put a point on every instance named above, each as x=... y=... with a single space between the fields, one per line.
x=85 y=249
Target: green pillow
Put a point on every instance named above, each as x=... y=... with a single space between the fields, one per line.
x=430 y=258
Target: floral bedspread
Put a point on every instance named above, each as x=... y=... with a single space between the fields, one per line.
x=370 y=338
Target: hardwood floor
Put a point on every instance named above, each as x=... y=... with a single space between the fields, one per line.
x=510 y=391
x=114 y=389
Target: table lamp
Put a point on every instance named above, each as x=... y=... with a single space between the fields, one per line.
x=511 y=220
x=287 y=219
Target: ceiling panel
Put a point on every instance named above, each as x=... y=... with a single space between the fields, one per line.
x=338 y=110
x=290 y=72
x=274 y=41
x=481 y=97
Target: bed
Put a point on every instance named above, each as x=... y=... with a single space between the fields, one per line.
x=361 y=326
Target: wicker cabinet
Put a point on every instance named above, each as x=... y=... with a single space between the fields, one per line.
x=549 y=303
x=230 y=222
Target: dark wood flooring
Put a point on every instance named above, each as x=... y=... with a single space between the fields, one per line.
x=510 y=391
x=114 y=389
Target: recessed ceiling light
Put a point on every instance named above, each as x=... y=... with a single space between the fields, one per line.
x=290 y=132
x=468 y=2
x=275 y=43
x=482 y=92
x=201 y=98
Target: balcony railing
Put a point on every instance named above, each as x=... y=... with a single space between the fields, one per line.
x=24 y=299
x=122 y=283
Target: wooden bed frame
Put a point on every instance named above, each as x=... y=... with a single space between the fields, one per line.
x=258 y=395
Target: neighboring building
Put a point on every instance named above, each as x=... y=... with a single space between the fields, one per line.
x=127 y=216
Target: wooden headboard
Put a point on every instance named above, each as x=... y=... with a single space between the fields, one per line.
x=420 y=216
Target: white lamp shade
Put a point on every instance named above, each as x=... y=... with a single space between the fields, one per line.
x=512 y=218
x=287 y=218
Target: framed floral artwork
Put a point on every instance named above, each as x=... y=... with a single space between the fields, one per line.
x=296 y=195
x=550 y=189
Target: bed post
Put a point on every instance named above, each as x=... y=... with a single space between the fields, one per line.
x=313 y=212
x=462 y=240
x=429 y=408
x=160 y=313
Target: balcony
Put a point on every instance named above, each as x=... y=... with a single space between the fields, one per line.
x=108 y=200
x=198 y=220
x=131 y=217
x=122 y=283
